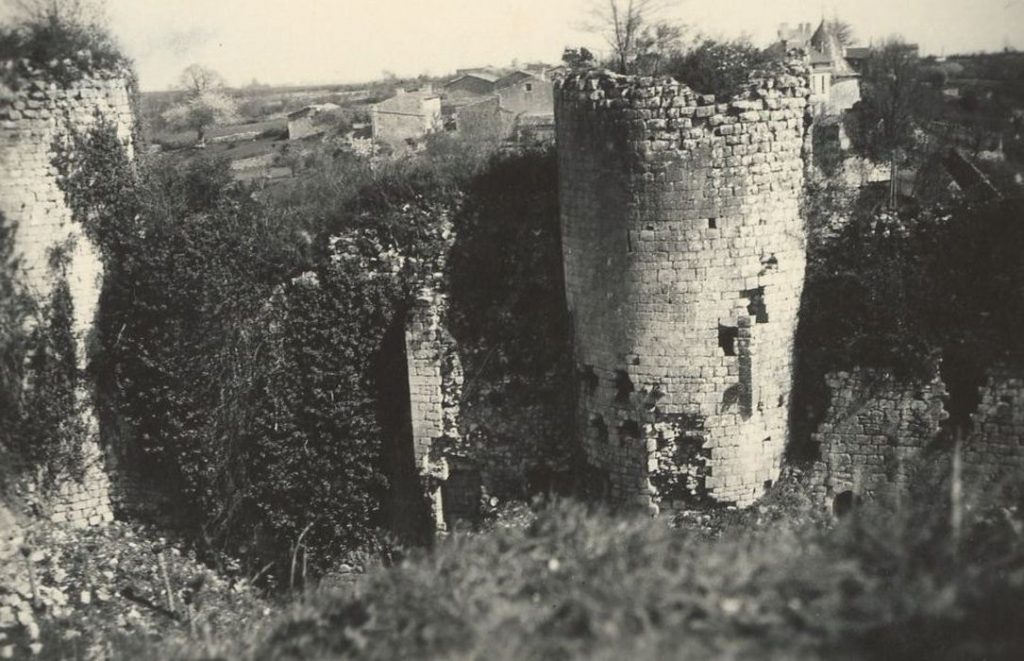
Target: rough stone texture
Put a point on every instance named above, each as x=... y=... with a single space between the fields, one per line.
x=877 y=428
x=994 y=452
x=435 y=382
x=684 y=263
x=33 y=118
x=874 y=431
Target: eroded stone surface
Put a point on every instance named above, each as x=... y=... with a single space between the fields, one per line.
x=684 y=264
x=34 y=120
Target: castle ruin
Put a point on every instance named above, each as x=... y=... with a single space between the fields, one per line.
x=37 y=118
x=684 y=263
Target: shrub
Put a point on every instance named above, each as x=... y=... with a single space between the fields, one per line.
x=896 y=289
x=248 y=391
x=580 y=584
x=62 y=40
x=721 y=68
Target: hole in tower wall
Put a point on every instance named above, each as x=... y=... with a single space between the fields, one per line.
x=588 y=379
x=727 y=339
x=623 y=386
x=844 y=503
x=600 y=428
x=712 y=223
x=629 y=429
x=757 y=307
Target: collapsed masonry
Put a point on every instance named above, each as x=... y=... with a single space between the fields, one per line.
x=36 y=117
x=879 y=431
x=435 y=385
x=684 y=263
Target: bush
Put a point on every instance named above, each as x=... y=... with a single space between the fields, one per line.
x=721 y=68
x=574 y=583
x=59 y=40
x=898 y=289
x=247 y=390
x=509 y=317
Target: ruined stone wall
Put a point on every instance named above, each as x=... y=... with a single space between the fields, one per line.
x=35 y=118
x=994 y=451
x=435 y=382
x=874 y=432
x=684 y=262
x=877 y=431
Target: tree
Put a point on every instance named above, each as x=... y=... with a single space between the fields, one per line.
x=841 y=30
x=205 y=104
x=80 y=12
x=657 y=45
x=200 y=112
x=894 y=103
x=577 y=58
x=629 y=28
x=719 y=67
x=197 y=79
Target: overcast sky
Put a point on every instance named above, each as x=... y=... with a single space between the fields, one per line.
x=303 y=41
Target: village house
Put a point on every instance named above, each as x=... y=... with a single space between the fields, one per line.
x=406 y=117
x=480 y=105
x=480 y=119
x=311 y=120
x=526 y=93
x=471 y=85
x=834 y=83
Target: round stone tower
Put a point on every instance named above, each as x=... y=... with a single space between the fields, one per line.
x=38 y=115
x=684 y=263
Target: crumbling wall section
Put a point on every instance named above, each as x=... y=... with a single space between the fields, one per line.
x=36 y=119
x=874 y=432
x=684 y=261
x=435 y=383
x=877 y=430
x=994 y=451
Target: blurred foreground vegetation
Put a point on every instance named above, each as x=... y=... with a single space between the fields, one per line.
x=779 y=580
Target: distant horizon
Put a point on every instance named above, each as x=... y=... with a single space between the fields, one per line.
x=323 y=42
x=370 y=81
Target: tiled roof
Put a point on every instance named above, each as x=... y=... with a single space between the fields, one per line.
x=487 y=77
x=409 y=102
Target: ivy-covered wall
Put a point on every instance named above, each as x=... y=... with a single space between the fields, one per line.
x=37 y=121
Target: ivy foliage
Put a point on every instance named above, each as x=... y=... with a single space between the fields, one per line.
x=509 y=317
x=42 y=400
x=238 y=351
x=900 y=289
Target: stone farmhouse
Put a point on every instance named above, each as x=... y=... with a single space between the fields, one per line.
x=407 y=117
x=471 y=85
x=481 y=104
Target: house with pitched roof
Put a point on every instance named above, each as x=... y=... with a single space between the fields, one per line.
x=526 y=93
x=407 y=117
x=474 y=84
x=835 y=84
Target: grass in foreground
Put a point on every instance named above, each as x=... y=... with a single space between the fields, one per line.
x=771 y=582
